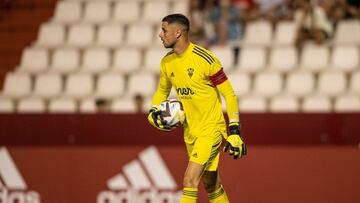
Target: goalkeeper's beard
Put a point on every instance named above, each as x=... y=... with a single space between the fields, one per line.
x=172 y=45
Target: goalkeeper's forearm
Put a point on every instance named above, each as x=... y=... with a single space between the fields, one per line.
x=231 y=100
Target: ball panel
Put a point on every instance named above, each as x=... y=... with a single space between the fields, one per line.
x=172 y=112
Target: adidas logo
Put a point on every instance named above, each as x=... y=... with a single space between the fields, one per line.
x=143 y=180
x=13 y=188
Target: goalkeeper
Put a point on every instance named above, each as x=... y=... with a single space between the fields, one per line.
x=198 y=78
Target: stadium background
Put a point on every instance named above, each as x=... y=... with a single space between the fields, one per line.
x=66 y=144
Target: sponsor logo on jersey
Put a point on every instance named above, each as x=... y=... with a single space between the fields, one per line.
x=143 y=180
x=13 y=188
x=184 y=91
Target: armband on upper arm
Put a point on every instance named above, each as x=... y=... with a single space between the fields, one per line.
x=218 y=77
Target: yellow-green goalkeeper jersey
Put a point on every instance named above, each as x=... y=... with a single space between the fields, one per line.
x=198 y=77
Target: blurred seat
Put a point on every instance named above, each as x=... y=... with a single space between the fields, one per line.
x=347 y=103
x=345 y=58
x=284 y=103
x=79 y=86
x=267 y=84
x=50 y=35
x=283 y=59
x=87 y=106
x=180 y=6
x=240 y=82
x=331 y=83
x=156 y=40
x=62 y=105
x=65 y=61
x=253 y=104
x=123 y=105
x=131 y=15
x=347 y=32
x=33 y=61
x=110 y=86
x=354 y=86
x=17 y=85
x=311 y=63
x=300 y=84
x=285 y=33
x=147 y=103
x=152 y=59
x=126 y=60
x=252 y=59
x=142 y=84
x=316 y=103
x=154 y=11
x=97 y=11
x=226 y=56
x=257 y=33
x=47 y=86
x=31 y=105
x=95 y=60
x=110 y=35
x=81 y=35
x=67 y=12
x=139 y=35
x=6 y=105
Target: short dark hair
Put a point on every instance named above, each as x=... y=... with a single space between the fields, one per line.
x=178 y=18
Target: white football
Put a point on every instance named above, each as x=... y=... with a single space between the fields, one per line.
x=172 y=112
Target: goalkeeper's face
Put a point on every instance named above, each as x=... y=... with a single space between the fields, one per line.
x=169 y=34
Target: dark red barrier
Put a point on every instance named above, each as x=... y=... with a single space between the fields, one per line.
x=108 y=174
x=112 y=129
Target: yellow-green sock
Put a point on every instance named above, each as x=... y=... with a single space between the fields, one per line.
x=218 y=196
x=190 y=195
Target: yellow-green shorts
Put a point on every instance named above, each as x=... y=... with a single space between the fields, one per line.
x=205 y=151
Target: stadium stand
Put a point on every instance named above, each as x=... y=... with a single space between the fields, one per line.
x=62 y=105
x=97 y=12
x=67 y=12
x=17 y=85
x=241 y=83
x=50 y=35
x=283 y=59
x=126 y=18
x=65 y=61
x=285 y=33
x=110 y=86
x=300 y=84
x=124 y=105
x=95 y=61
x=6 y=105
x=79 y=86
x=48 y=85
x=310 y=63
x=31 y=105
x=110 y=35
x=33 y=61
x=252 y=103
x=126 y=60
x=226 y=55
x=91 y=49
x=252 y=59
x=81 y=35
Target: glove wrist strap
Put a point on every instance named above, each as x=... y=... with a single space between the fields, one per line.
x=234 y=128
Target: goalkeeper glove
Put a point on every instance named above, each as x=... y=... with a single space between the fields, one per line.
x=156 y=120
x=234 y=142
